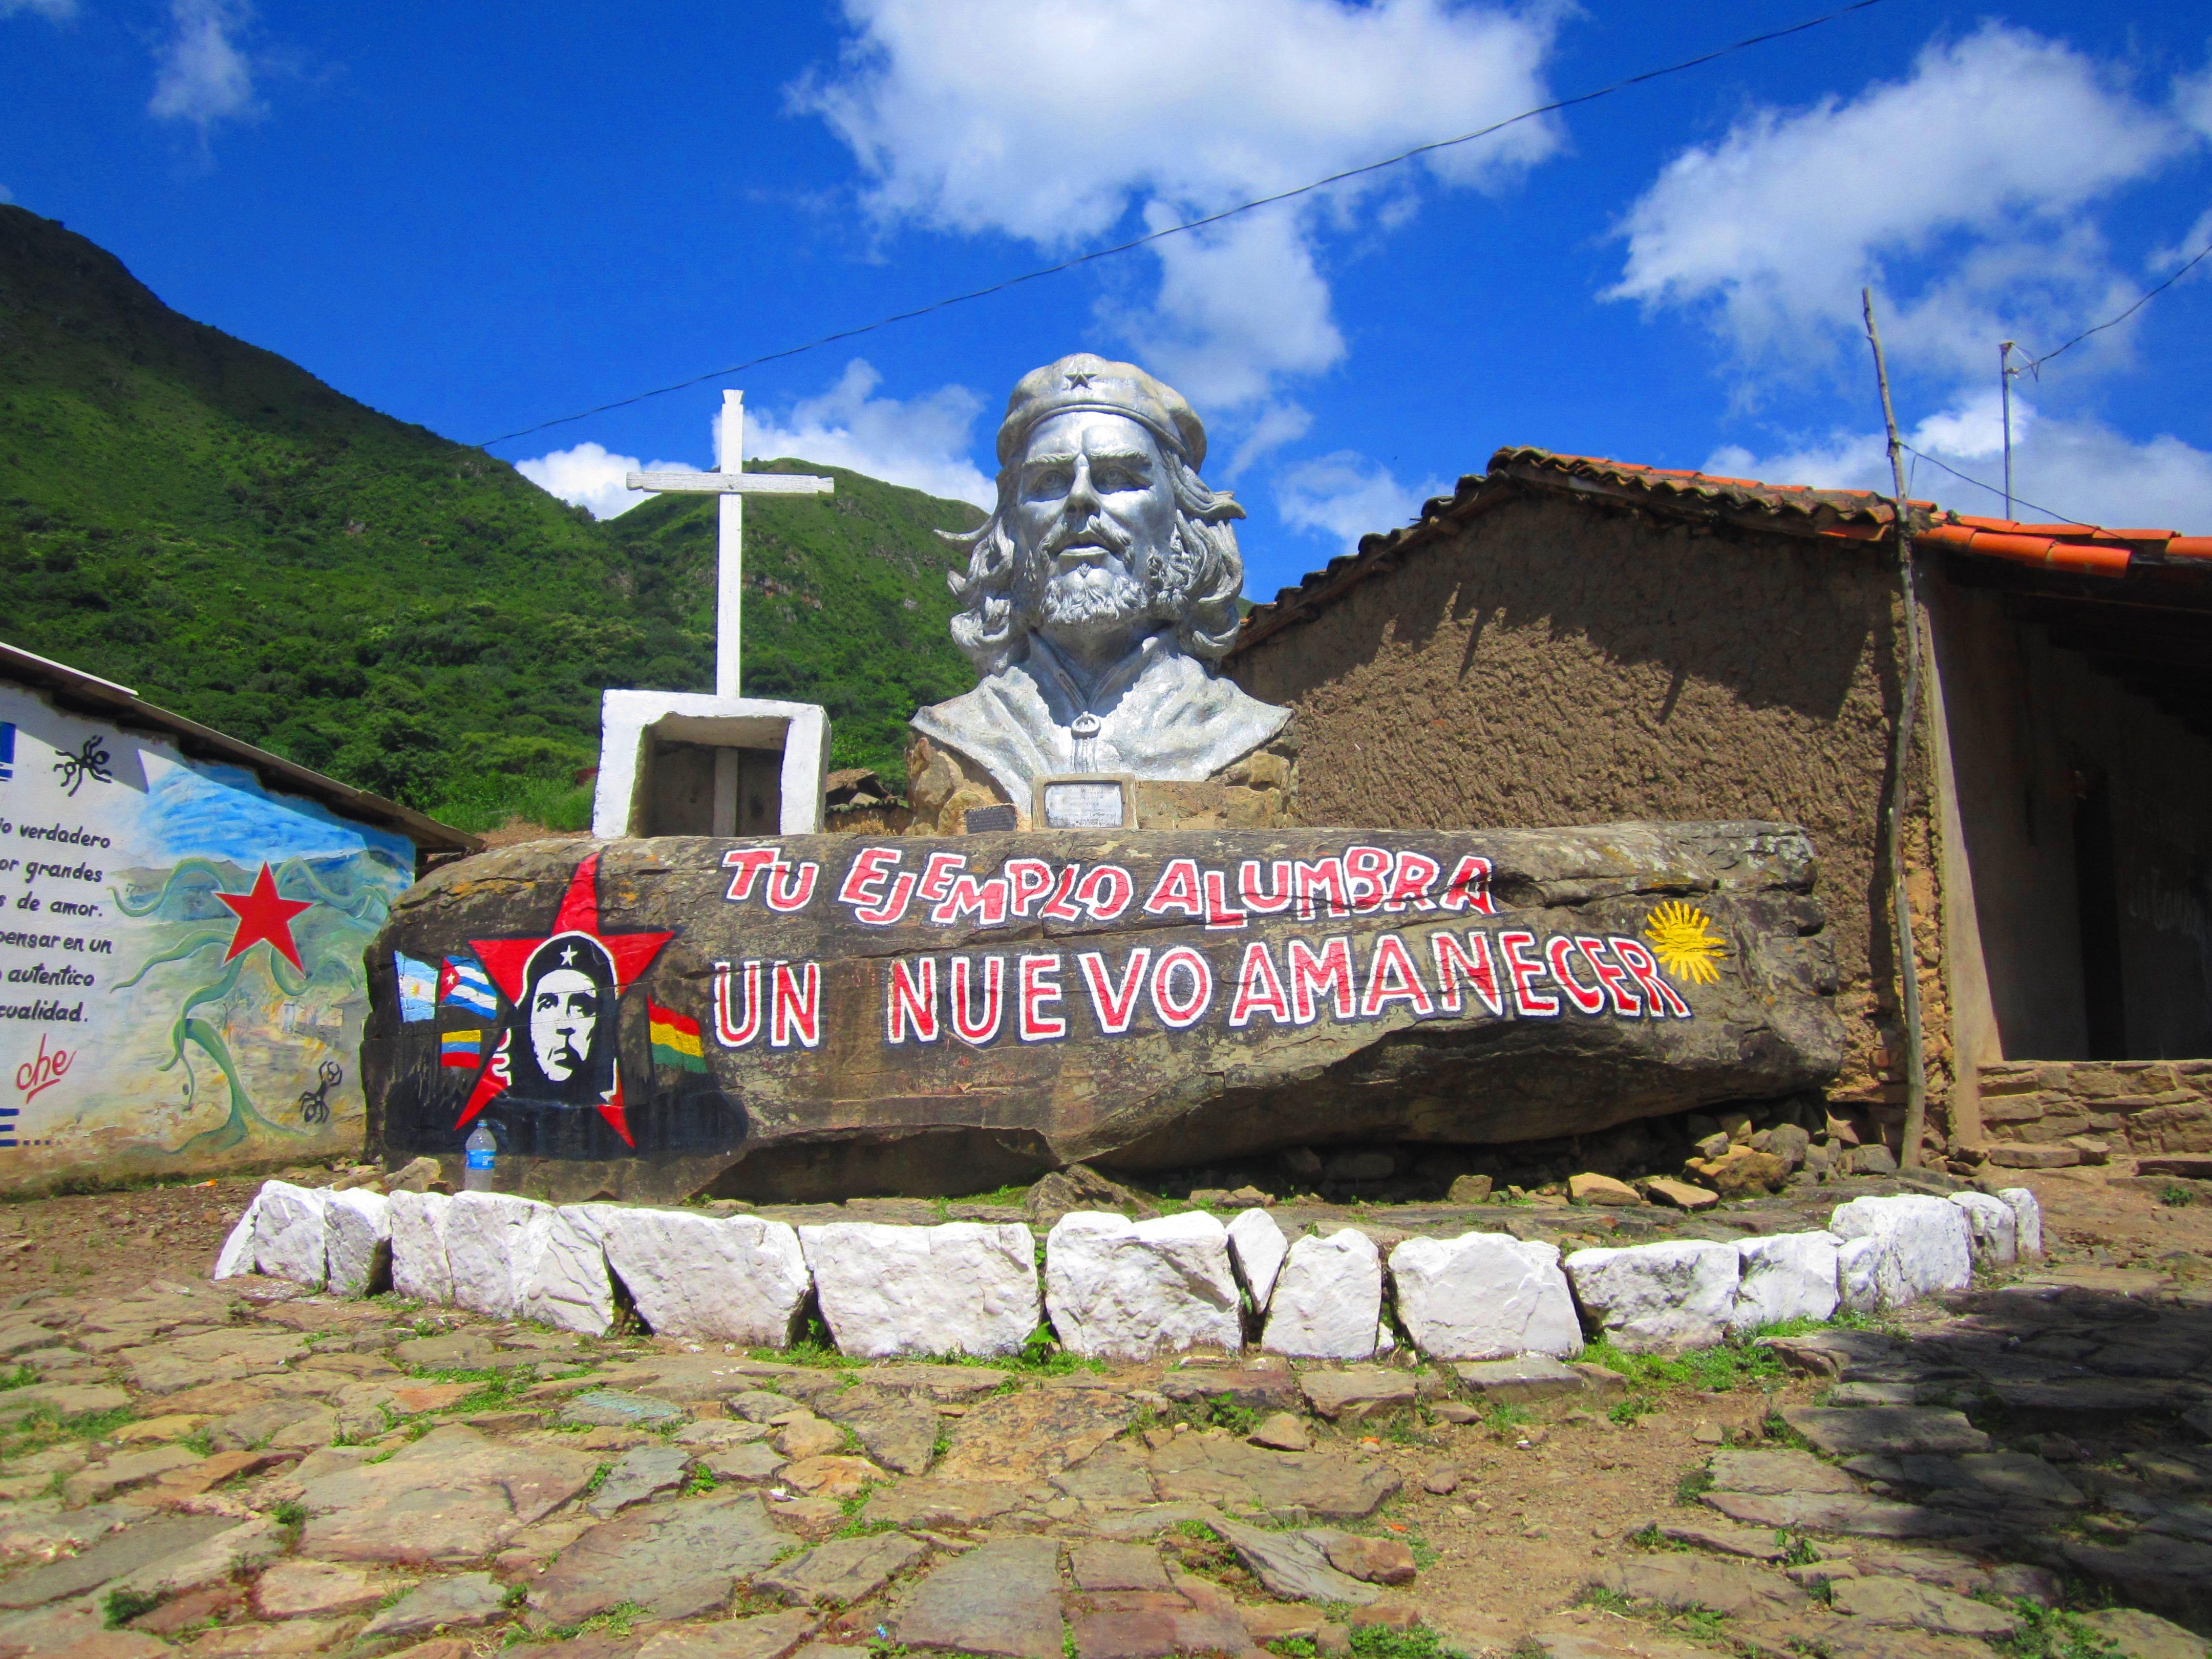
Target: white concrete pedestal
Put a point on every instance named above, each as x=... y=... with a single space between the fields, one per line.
x=634 y=725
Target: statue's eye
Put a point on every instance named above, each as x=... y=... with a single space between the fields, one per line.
x=1051 y=481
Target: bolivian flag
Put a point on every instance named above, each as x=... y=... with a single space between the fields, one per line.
x=675 y=1039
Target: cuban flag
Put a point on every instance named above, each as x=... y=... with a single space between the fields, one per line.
x=463 y=984
x=418 y=987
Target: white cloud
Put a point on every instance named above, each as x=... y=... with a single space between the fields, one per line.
x=201 y=75
x=2080 y=470
x=922 y=442
x=1050 y=122
x=1987 y=155
x=54 y=11
x=1347 y=495
x=1277 y=424
x=588 y=476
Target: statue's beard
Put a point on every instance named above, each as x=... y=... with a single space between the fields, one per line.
x=1088 y=598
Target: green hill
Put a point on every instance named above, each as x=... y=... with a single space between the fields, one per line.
x=212 y=524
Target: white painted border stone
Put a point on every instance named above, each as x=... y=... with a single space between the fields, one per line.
x=236 y=1258
x=1786 y=1276
x=964 y=1287
x=1858 y=1291
x=1128 y=1289
x=571 y=1289
x=492 y=1242
x=287 y=1234
x=1329 y=1299
x=1926 y=1244
x=2028 y=1215
x=717 y=1279
x=357 y=1238
x=418 y=1247
x=1484 y=1296
x=1658 y=1299
x=1994 y=1227
x=1256 y=1248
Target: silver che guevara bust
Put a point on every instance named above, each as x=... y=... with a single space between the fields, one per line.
x=1101 y=593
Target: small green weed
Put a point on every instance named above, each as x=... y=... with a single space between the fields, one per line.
x=1500 y=1417
x=599 y=1480
x=1731 y=1364
x=17 y=1376
x=1043 y=1356
x=849 y=1507
x=1692 y=1484
x=1704 y=1623
x=119 y=1607
x=290 y=1513
x=1797 y=1550
x=1605 y=1601
x=700 y=1482
x=2178 y=1197
x=1415 y=1642
x=2045 y=1633
x=1219 y=1410
x=1630 y=1407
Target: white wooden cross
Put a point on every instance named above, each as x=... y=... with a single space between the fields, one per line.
x=733 y=484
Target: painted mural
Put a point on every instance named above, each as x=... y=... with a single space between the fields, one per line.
x=181 y=981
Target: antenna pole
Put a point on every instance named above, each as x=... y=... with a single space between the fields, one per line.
x=2004 y=389
x=1908 y=964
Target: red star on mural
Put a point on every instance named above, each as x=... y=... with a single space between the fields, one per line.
x=505 y=959
x=263 y=916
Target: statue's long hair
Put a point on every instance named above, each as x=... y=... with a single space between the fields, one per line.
x=1195 y=584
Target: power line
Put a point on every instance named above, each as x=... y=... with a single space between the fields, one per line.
x=1199 y=223
x=2035 y=366
x=2056 y=517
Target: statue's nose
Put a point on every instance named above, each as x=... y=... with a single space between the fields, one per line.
x=1082 y=499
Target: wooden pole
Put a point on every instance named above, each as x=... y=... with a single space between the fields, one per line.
x=1916 y=1073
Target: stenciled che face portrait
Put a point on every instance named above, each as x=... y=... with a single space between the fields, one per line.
x=566 y=1057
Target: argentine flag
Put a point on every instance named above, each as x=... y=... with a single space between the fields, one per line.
x=418 y=986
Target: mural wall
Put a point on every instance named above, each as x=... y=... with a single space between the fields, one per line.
x=182 y=986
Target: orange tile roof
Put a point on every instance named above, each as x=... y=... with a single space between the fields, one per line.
x=1856 y=516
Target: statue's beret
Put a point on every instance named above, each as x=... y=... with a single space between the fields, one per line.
x=1085 y=381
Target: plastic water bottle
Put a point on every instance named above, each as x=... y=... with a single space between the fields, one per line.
x=483 y=1152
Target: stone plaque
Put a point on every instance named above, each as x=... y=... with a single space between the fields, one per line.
x=824 y=1016
x=986 y=820
x=1085 y=803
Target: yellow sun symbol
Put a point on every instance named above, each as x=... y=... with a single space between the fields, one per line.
x=1685 y=942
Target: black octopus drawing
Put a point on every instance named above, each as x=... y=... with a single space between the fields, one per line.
x=89 y=761
x=315 y=1103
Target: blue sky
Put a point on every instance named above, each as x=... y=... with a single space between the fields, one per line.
x=481 y=216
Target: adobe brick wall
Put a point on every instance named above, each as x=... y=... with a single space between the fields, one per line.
x=1548 y=663
x=2036 y=1111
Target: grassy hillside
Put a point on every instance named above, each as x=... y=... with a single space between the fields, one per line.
x=210 y=524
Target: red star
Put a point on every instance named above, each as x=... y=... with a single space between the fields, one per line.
x=504 y=959
x=263 y=915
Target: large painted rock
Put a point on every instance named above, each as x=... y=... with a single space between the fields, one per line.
x=825 y=1016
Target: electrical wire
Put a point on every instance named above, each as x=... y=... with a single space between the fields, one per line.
x=2035 y=366
x=1199 y=223
x=2055 y=516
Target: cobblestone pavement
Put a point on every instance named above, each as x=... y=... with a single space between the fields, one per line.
x=244 y=1470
